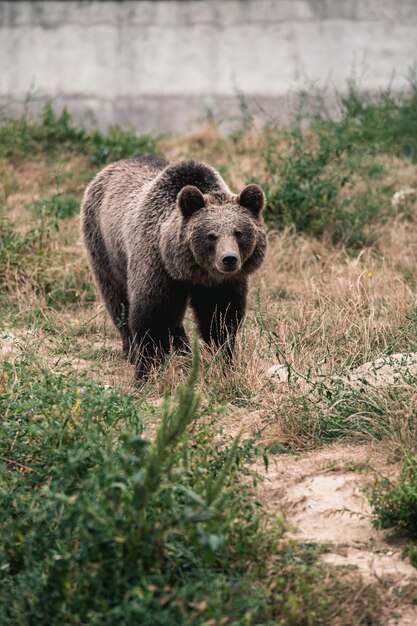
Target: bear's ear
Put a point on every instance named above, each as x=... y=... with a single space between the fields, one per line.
x=253 y=198
x=190 y=199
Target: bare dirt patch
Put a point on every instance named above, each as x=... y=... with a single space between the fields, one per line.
x=323 y=496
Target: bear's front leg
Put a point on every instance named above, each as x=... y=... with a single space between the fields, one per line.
x=180 y=341
x=219 y=312
x=155 y=323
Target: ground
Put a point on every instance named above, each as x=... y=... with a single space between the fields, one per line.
x=320 y=420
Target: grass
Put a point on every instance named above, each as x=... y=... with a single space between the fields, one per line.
x=54 y=134
x=56 y=207
x=394 y=504
x=117 y=507
x=385 y=124
x=99 y=525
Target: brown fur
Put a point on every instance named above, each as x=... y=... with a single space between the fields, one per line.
x=160 y=236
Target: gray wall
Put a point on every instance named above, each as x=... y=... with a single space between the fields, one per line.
x=163 y=64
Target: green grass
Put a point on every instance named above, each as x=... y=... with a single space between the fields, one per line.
x=34 y=260
x=100 y=526
x=57 y=206
x=386 y=124
x=394 y=503
x=333 y=410
x=308 y=187
x=310 y=183
x=330 y=400
x=25 y=138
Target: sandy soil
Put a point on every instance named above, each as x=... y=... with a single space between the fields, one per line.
x=322 y=494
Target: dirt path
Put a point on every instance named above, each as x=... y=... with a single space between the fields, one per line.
x=322 y=495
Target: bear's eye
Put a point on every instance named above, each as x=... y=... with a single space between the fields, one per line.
x=238 y=234
x=212 y=237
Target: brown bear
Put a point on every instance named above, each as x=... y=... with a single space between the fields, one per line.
x=160 y=236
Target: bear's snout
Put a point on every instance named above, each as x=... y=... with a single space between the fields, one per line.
x=229 y=262
x=228 y=255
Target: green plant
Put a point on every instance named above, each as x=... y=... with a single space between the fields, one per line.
x=298 y=190
x=394 y=504
x=410 y=551
x=101 y=526
x=387 y=123
x=310 y=176
x=24 y=138
x=32 y=259
x=120 y=144
x=91 y=517
x=305 y=187
x=56 y=206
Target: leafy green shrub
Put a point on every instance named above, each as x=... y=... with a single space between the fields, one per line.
x=385 y=124
x=310 y=181
x=305 y=190
x=22 y=138
x=395 y=504
x=300 y=191
x=101 y=526
x=89 y=520
x=98 y=525
x=120 y=144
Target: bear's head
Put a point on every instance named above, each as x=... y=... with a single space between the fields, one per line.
x=224 y=233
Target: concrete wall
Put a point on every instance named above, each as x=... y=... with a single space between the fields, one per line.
x=163 y=64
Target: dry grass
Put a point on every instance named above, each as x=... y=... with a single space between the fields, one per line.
x=316 y=308
x=321 y=313
x=313 y=306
